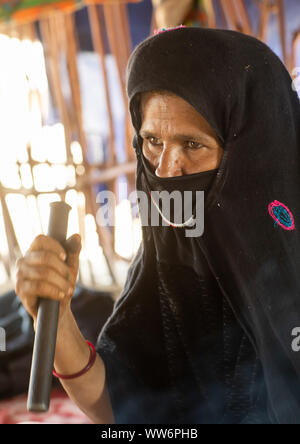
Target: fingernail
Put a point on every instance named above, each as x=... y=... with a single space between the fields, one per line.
x=63 y=256
x=61 y=295
x=70 y=291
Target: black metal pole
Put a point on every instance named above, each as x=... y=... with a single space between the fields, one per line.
x=46 y=327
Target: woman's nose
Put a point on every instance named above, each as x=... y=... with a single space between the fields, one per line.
x=171 y=163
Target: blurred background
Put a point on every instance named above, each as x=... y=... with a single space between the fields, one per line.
x=65 y=134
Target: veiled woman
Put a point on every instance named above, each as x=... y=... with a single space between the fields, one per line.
x=203 y=330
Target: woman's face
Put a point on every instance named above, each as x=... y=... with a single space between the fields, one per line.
x=177 y=140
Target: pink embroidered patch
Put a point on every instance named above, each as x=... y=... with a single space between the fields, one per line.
x=159 y=31
x=282 y=215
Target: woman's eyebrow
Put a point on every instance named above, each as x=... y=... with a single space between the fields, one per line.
x=190 y=136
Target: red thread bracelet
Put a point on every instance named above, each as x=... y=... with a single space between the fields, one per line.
x=91 y=362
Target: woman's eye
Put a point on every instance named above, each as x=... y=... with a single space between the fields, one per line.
x=153 y=141
x=194 y=145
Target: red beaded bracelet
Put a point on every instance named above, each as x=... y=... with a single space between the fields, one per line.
x=91 y=362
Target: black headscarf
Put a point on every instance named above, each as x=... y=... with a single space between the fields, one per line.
x=250 y=244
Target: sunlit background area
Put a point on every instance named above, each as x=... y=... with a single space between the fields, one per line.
x=40 y=163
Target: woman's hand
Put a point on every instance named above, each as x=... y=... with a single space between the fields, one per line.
x=48 y=270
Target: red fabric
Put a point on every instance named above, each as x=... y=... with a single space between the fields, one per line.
x=62 y=411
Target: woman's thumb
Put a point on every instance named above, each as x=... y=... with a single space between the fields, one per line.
x=73 y=247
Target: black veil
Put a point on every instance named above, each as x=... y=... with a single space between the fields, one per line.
x=251 y=240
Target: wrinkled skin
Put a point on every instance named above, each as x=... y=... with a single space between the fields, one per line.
x=177 y=140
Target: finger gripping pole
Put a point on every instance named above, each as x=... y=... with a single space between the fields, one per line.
x=46 y=326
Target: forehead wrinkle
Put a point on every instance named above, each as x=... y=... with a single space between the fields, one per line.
x=165 y=128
